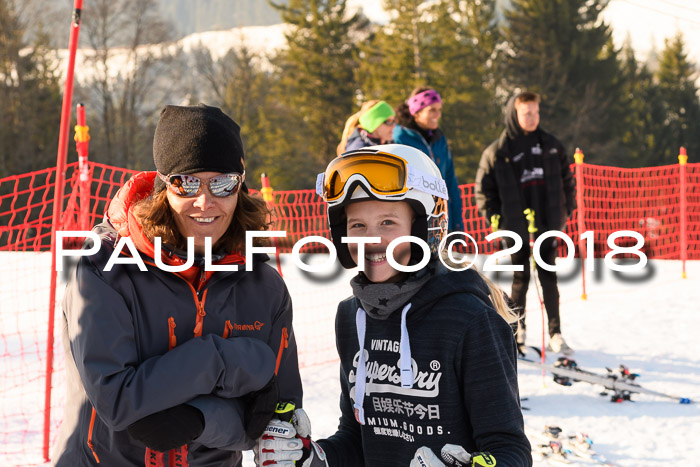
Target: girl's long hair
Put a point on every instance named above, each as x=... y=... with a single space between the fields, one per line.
x=496 y=294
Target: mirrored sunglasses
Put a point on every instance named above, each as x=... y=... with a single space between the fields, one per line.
x=189 y=186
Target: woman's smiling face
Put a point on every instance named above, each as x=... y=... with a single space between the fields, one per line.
x=204 y=215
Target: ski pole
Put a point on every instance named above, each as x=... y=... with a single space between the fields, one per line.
x=532 y=229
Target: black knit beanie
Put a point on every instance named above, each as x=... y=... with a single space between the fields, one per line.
x=196 y=138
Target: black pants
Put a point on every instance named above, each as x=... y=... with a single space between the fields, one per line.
x=548 y=279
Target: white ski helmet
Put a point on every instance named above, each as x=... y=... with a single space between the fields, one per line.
x=388 y=172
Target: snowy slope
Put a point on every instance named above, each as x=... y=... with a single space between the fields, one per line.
x=258 y=40
x=650 y=325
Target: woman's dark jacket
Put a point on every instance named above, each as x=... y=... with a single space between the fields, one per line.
x=138 y=342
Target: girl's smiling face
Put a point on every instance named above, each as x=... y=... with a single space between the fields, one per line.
x=387 y=220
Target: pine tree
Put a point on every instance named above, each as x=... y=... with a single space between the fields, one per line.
x=237 y=83
x=30 y=97
x=563 y=50
x=462 y=47
x=449 y=45
x=118 y=101
x=315 y=90
x=247 y=100
x=681 y=124
x=642 y=112
x=392 y=61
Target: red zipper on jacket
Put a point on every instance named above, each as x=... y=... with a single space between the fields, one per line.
x=199 y=324
x=284 y=343
x=178 y=457
x=89 y=440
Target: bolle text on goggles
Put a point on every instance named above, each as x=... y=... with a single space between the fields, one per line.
x=189 y=186
x=387 y=176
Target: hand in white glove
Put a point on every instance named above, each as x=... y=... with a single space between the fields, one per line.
x=289 y=444
x=452 y=456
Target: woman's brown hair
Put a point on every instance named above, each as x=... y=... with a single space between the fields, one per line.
x=403 y=116
x=157 y=220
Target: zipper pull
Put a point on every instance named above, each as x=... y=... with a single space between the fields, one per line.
x=228 y=327
x=200 y=320
x=172 y=340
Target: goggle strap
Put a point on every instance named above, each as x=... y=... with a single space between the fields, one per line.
x=319 y=183
x=427 y=183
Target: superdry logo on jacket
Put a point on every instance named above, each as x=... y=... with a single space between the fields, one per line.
x=464 y=389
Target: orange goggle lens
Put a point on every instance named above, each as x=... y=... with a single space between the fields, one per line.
x=386 y=174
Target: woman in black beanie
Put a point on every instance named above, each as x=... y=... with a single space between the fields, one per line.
x=177 y=351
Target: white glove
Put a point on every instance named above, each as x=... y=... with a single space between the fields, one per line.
x=284 y=443
x=452 y=456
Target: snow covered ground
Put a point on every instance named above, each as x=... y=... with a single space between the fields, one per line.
x=648 y=323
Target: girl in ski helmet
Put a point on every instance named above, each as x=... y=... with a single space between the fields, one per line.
x=427 y=358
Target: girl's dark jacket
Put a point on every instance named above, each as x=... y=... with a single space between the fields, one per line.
x=498 y=190
x=140 y=342
x=465 y=389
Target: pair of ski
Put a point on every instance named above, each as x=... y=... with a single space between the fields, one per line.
x=622 y=383
x=551 y=446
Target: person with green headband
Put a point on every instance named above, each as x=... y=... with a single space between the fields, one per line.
x=372 y=125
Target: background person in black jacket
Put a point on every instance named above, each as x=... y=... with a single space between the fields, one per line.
x=527 y=167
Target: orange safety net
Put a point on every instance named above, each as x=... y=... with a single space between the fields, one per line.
x=646 y=200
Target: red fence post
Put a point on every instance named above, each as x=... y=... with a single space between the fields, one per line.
x=683 y=161
x=269 y=197
x=82 y=141
x=578 y=158
x=57 y=208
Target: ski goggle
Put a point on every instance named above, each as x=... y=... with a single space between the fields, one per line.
x=189 y=186
x=386 y=175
